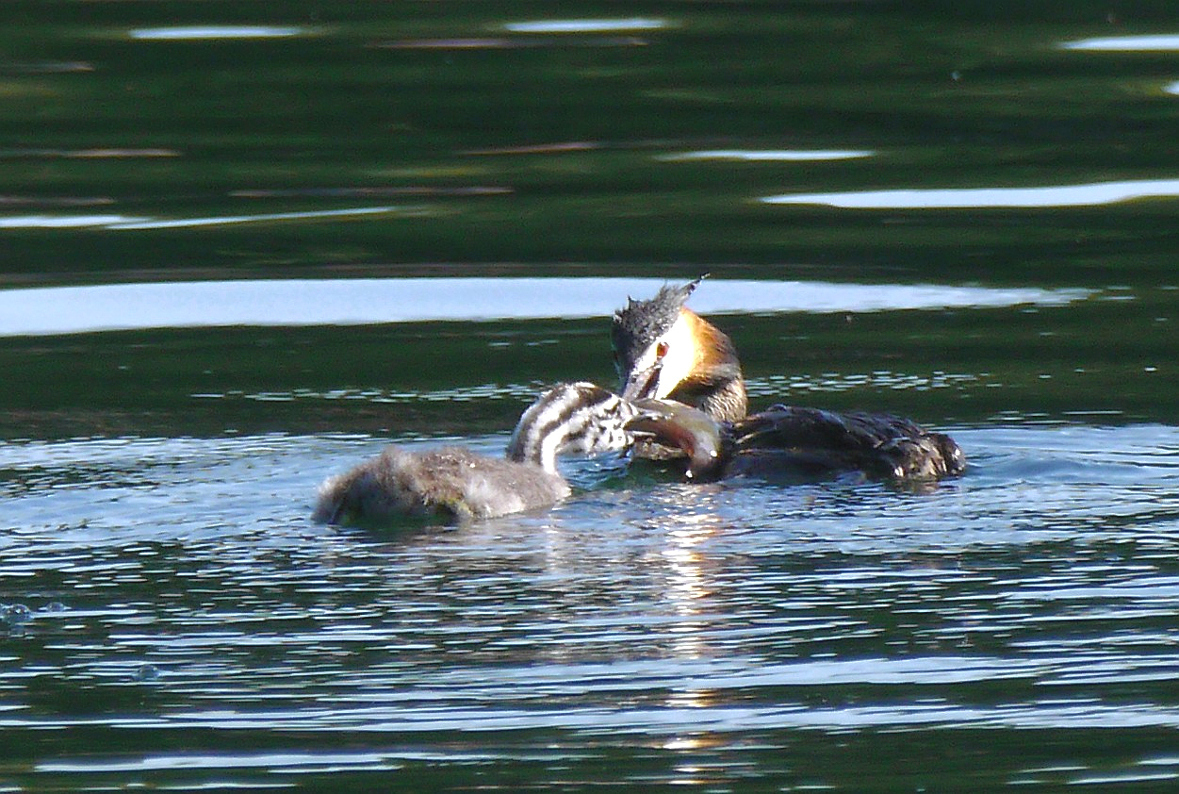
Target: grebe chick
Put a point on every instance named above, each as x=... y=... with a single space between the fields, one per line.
x=665 y=351
x=454 y=484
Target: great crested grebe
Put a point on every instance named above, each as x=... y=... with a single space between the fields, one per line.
x=666 y=352
x=454 y=484
x=799 y=440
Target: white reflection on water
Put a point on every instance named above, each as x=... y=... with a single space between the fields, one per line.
x=65 y=221
x=1093 y=194
x=1173 y=88
x=1125 y=43
x=770 y=155
x=322 y=761
x=229 y=219
x=132 y=223
x=59 y=310
x=586 y=25
x=192 y=32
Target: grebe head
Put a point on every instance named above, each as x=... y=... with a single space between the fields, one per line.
x=663 y=350
x=653 y=344
x=571 y=417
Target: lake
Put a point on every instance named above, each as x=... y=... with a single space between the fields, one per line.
x=245 y=246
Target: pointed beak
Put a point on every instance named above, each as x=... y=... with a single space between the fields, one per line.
x=641 y=384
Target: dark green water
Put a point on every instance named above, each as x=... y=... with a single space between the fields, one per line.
x=500 y=148
x=172 y=620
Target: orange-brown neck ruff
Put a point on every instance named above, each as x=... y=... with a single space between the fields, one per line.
x=715 y=384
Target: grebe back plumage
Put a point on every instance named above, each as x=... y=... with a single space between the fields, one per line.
x=808 y=441
x=663 y=351
x=454 y=484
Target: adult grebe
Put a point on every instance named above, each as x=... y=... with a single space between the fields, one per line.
x=799 y=440
x=454 y=484
x=665 y=351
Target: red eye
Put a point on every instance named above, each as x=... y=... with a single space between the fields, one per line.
x=661 y=350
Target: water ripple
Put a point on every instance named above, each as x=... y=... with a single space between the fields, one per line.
x=55 y=310
x=1084 y=195
x=1019 y=597
x=202 y=32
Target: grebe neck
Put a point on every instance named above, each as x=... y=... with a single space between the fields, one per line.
x=571 y=417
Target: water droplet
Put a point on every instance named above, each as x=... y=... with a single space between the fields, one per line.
x=147 y=673
x=15 y=614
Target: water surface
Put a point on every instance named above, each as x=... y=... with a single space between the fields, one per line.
x=360 y=301
x=973 y=226
x=179 y=588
